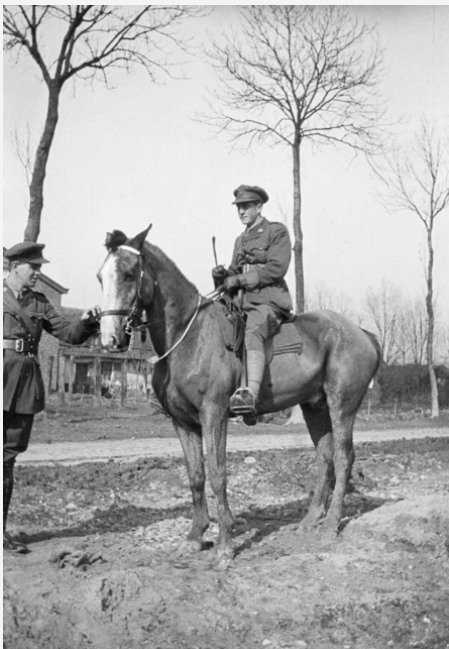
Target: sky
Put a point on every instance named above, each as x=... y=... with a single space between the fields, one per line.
x=130 y=156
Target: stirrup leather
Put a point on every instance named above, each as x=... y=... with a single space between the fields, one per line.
x=242 y=402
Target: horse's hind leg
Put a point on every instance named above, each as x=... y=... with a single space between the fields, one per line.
x=192 y=445
x=319 y=424
x=342 y=424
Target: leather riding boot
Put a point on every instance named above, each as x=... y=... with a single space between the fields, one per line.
x=244 y=400
x=8 y=483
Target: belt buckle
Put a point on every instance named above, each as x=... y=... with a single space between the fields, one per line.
x=19 y=345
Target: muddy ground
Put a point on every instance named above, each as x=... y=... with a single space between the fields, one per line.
x=105 y=571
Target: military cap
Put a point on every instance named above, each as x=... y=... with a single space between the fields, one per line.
x=248 y=194
x=28 y=251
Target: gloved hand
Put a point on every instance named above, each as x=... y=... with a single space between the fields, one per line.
x=219 y=274
x=92 y=315
x=233 y=281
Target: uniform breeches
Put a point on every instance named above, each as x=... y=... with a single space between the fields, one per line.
x=261 y=324
x=16 y=435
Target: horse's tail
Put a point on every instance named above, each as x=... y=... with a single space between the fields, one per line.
x=376 y=344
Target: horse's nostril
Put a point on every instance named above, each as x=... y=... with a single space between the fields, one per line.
x=114 y=341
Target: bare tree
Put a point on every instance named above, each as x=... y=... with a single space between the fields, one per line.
x=297 y=73
x=92 y=40
x=21 y=144
x=323 y=298
x=444 y=344
x=383 y=308
x=416 y=180
x=413 y=331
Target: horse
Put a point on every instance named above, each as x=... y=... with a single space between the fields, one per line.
x=195 y=374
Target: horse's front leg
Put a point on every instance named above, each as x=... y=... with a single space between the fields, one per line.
x=214 y=421
x=192 y=446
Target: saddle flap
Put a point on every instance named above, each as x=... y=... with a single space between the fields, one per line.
x=284 y=341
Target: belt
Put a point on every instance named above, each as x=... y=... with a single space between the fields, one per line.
x=21 y=345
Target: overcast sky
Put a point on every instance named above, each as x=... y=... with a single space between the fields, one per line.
x=133 y=156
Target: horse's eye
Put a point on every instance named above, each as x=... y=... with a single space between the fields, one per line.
x=128 y=276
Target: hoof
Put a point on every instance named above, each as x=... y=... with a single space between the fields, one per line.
x=225 y=558
x=329 y=532
x=224 y=564
x=189 y=546
x=16 y=547
x=309 y=525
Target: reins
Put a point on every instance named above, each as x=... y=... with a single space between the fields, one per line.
x=186 y=330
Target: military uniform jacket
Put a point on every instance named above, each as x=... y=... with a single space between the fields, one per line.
x=261 y=256
x=23 y=388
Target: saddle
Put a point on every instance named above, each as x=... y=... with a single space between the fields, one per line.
x=285 y=341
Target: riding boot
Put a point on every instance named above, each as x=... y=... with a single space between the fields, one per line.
x=244 y=400
x=8 y=484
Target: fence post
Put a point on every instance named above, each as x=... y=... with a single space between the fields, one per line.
x=71 y=377
x=97 y=380
x=124 y=369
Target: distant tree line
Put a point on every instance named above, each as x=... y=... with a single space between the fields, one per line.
x=400 y=323
x=409 y=385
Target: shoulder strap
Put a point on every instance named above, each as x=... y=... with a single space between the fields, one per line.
x=10 y=302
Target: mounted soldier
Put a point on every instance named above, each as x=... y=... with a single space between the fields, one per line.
x=259 y=264
x=25 y=314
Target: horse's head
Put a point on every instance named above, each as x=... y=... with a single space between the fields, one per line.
x=126 y=288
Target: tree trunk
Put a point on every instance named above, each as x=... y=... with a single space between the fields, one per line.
x=40 y=164
x=434 y=408
x=298 y=244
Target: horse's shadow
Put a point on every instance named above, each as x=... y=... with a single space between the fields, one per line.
x=116 y=520
x=263 y=522
x=260 y=522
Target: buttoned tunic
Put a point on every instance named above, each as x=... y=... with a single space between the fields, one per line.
x=262 y=256
x=23 y=387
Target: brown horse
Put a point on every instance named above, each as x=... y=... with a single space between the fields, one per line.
x=196 y=374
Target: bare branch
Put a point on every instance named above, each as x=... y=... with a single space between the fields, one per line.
x=91 y=41
x=306 y=63
x=21 y=145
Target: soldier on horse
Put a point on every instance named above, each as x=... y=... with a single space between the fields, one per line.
x=259 y=264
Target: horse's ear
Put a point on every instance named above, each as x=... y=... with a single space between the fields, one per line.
x=138 y=241
x=115 y=239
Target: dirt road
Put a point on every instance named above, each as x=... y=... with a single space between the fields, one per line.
x=105 y=569
x=131 y=449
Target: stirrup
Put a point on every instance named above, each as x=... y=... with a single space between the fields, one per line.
x=14 y=546
x=242 y=402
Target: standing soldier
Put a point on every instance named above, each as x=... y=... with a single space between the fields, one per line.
x=25 y=314
x=259 y=264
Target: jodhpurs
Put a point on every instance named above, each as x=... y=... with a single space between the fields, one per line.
x=261 y=324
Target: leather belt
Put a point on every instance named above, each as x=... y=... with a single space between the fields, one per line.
x=21 y=346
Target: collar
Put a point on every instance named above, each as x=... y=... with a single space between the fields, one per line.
x=257 y=225
x=18 y=293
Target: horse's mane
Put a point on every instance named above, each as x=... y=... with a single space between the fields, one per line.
x=117 y=238
x=162 y=258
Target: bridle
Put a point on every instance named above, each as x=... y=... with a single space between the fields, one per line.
x=134 y=313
